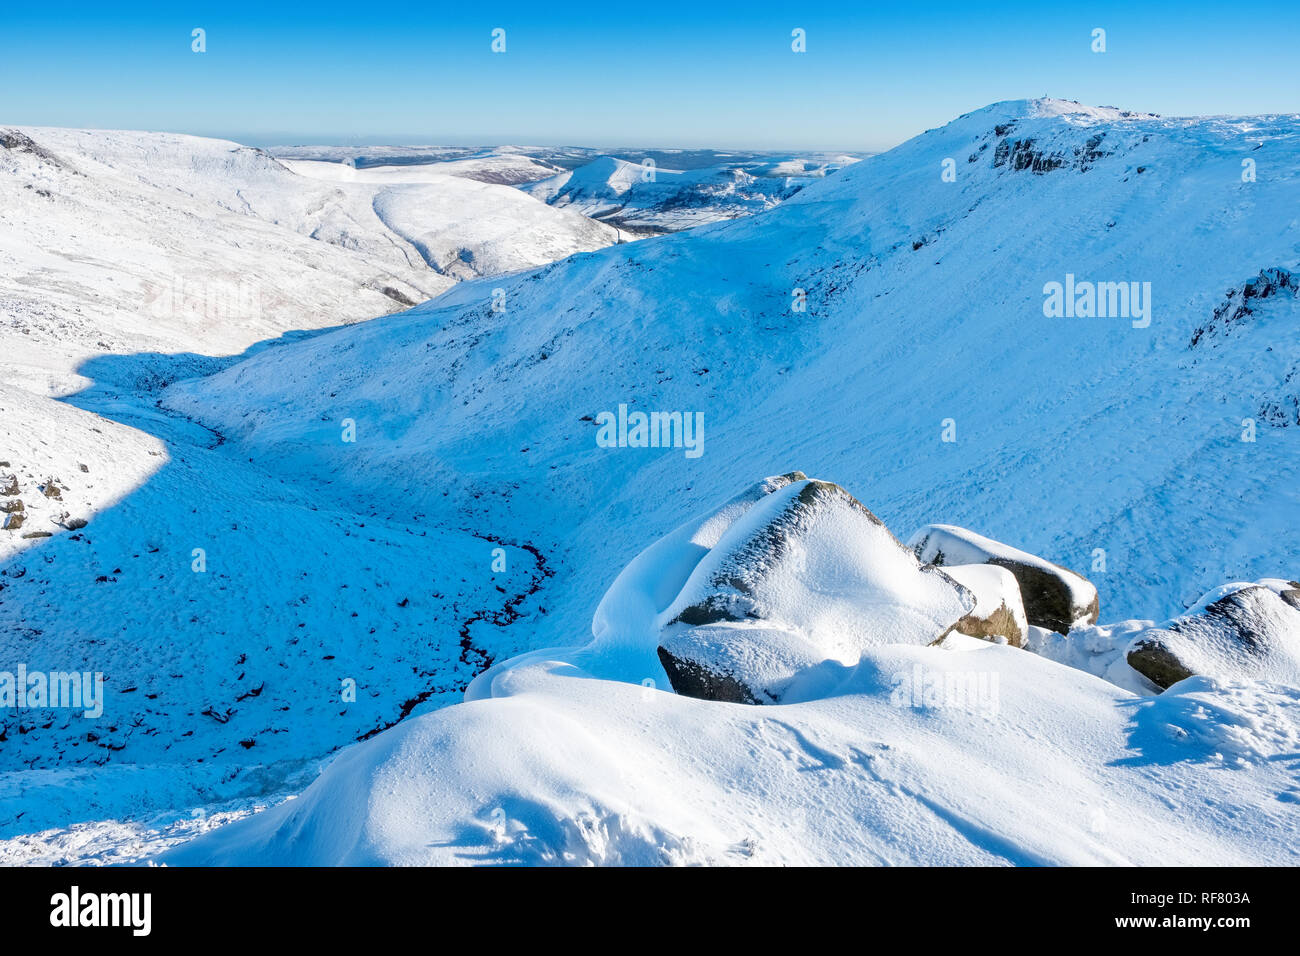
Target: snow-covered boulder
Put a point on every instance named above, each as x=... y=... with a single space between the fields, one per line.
x=652 y=580
x=1237 y=631
x=826 y=579
x=999 y=613
x=741 y=663
x=1054 y=597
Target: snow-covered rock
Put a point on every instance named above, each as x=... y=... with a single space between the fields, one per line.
x=1237 y=631
x=737 y=662
x=809 y=559
x=641 y=594
x=1053 y=597
x=999 y=612
x=812 y=555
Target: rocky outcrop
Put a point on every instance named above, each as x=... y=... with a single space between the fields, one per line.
x=1054 y=597
x=806 y=575
x=1274 y=292
x=1022 y=154
x=736 y=663
x=1239 y=631
x=999 y=613
x=1239 y=305
x=17 y=142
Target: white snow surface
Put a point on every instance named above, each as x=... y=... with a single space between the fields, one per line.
x=475 y=431
x=562 y=768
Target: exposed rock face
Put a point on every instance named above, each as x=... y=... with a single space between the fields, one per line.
x=14 y=521
x=11 y=139
x=9 y=485
x=1157 y=663
x=806 y=575
x=694 y=679
x=1022 y=155
x=999 y=614
x=1242 y=320
x=1240 y=304
x=12 y=505
x=1247 y=631
x=736 y=663
x=1054 y=596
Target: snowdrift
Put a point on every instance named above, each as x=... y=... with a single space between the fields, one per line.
x=963 y=752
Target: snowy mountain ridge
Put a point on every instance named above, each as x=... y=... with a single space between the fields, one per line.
x=883 y=328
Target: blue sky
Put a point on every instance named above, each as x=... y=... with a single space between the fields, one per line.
x=629 y=73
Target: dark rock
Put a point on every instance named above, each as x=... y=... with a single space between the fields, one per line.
x=1048 y=596
x=1240 y=304
x=754 y=619
x=1157 y=663
x=1248 y=632
x=999 y=614
x=750 y=663
x=691 y=679
x=1022 y=155
x=1054 y=596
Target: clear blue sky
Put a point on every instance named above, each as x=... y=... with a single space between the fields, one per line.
x=634 y=72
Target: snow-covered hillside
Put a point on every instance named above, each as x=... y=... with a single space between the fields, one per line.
x=504 y=165
x=460 y=226
x=925 y=321
x=645 y=199
x=890 y=328
x=117 y=242
x=133 y=259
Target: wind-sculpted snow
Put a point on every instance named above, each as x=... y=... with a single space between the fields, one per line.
x=961 y=752
x=1045 y=765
